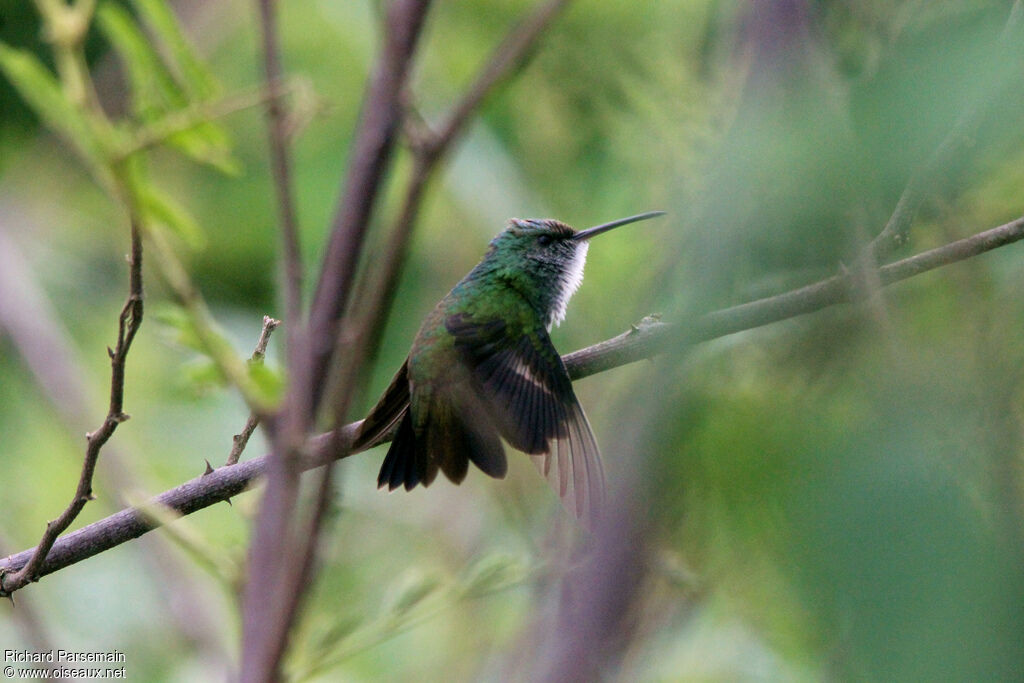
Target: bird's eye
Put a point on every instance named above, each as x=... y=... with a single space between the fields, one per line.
x=544 y=240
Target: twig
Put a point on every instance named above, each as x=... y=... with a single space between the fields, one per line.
x=506 y=59
x=274 y=588
x=185 y=119
x=370 y=158
x=66 y=26
x=265 y=632
x=372 y=312
x=240 y=440
x=379 y=284
x=280 y=164
x=951 y=150
x=128 y=324
x=28 y=317
x=645 y=340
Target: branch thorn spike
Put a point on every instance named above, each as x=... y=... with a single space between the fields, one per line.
x=209 y=468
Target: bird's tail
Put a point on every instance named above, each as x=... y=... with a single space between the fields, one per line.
x=441 y=436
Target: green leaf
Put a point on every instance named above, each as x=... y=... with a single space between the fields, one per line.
x=160 y=209
x=157 y=93
x=179 y=327
x=193 y=75
x=43 y=94
x=202 y=376
x=411 y=589
x=492 y=573
x=154 y=91
x=268 y=383
x=209 y=144
x=327 y=638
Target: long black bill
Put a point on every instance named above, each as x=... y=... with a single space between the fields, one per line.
x=605 y=227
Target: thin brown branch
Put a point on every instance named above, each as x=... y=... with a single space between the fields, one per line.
x=128 y=324
x=376 y=291
x=372 y=313
x=181 y=120
x=279 y=559
x=240 y=440
x=280 y=164
x=371 y=155
x=510 y=56
x=28 y=316
x=951 y=152
x=264 y=635
x=645 y=340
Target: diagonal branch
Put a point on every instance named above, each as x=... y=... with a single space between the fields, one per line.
x=128 y=324
x=281 y=558
x=951 y=152
x=280 y=164
x=648 y=339
x=510 y=56
x=380 y=121
x=377 y=289
x=265 y=637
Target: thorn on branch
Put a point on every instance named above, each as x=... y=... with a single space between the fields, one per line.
x=209 y=469
x=645 y=323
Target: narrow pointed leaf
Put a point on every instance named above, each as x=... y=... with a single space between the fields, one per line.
x=160 y=209
x=154 y=91
x=157 y=93
x=192 y=73
x=43 y=94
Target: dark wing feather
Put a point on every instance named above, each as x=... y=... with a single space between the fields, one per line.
x=391 y=408
x=440 y=435
x=529 y=396
x=455 y=433
x=399 y=463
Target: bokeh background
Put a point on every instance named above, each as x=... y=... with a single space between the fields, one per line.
x=834 y=497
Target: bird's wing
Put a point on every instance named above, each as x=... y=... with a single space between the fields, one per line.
x=529 y=396
x=390 y=409
x=447 y=431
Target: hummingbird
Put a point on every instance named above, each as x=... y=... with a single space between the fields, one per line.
x=482 y=368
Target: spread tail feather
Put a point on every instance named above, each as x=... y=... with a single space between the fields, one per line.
x=392 y=407
x=444 y=438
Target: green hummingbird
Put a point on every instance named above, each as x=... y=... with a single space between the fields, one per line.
x=482 y=367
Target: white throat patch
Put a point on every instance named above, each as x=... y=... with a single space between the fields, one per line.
x=568 y=284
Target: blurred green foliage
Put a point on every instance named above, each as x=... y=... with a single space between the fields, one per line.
x=833 y=497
